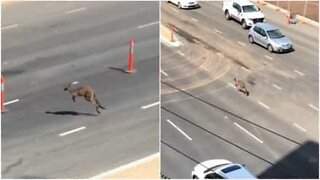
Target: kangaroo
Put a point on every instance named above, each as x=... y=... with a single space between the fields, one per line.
x=87 y=93
x=241 y=86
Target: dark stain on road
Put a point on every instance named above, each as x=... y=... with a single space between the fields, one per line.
x=73 y=113
x=15 y=164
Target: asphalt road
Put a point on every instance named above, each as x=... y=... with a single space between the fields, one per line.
x=46 y=45
x=273 y=131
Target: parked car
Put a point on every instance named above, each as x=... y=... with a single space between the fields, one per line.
x=269 y=37
x=185 y=4
x=220 y=169
x=242 y=11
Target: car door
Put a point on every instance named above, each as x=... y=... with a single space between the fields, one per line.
x=257 y=35
x=235 y=11
x=264 y=39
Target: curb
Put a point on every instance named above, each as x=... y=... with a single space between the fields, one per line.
x=300 y=18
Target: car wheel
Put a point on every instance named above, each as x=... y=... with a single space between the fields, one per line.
x=270 y=48
x=179 y=5
x=243 y=24
x=251 y=39
x=195 y=177
x=227 y=15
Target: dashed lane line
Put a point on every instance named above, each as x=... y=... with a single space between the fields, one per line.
x=263 y=105
x=150 y=105
x=276 y=86
x=11 y=102
x=246 y=131
x=299 y=127
x=313 y=107
x=72 y=131
x=149 y=24
x=220 y=54
x=196 y=20
x=174 y=10
x=9 y=26
x=241 y=43
x=179 y=52
x=268 y=57
x=232 y=85
x=298 y=72
x=244 y=68
x=75 y=10
x=216 y=30
x=164 y=73
x=183 y=133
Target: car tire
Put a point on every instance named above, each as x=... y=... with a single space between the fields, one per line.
x=243 y=24
x=195 y=177
x=179 y=5
x=251 y=39
x=227 y=15
x=270 y=48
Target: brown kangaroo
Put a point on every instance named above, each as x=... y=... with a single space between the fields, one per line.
x=241 y=86
x=87 y=93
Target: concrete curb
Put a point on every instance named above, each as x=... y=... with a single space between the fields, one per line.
x=165 y=37
x=300 y=18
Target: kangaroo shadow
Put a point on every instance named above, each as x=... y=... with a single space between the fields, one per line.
x=72 y=113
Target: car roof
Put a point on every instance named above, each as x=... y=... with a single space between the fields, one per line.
x=203 y=166
x=243 y=2
x=266 y=26
x=234 y=171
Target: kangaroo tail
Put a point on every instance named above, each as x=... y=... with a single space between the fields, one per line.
x=98 y=103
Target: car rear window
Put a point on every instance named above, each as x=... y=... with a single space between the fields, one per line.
x=231 y=168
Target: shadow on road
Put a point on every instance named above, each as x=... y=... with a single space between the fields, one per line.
x=118 y=69
x=73 y=113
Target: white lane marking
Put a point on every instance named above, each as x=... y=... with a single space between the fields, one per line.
x=276 y=86
x=72 y=131
x=298 y=72
x=241 y=43
x=259 y=140
x=75 y=10
x=149 y=24
x=226 y=117
x=75 y=82
x=180 y=43
x=174 y=10
x=196 y=20
x=216 y=30
x=11 y=102
x=150 y=105
x=262 y=104
x=127 y=166
x=183 y=133
x=244 y=68
x=313 y=107
x=179 y=52
x=220 y=54
x=9 y=26
x=268 y=57
x=299 y=127
x=232 y=85
x=164 y=73
x=6 y=62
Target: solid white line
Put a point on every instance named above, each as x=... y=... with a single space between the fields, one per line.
x=241 y=43
x=259 y=140
x=196 y=20
x=127 y=166
x=181 y=53
x=244 y=68
x=268 y=57
x=299 y=127
x=149 y=24
x=313 y=107
x=72 y=131
x=216 y=30
x=276 y=86
x=75 y=10
x=150 y=105
x=164 y=73
x=298 y=72
x=11 y=102
x=267 y=107
x=10 y=26
x=183 y=133
x=232 y=85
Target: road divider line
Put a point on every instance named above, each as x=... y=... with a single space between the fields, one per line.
x=243 y=129
x=149 y=24
x=262 y=104
x=183 y=133
x=164 y=73
x=299 y=127
x=179 y=52
x=9 y=26
x=216 y=30
x=276 y=86
x=72 y=131
x=196 y=20
x=11 y=102
x=75 y=10
x=313 y=107
x=241 y=43
x=150 y=105
x=298 y=72
x=268 y=57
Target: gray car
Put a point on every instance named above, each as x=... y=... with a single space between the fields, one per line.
x=269 y=37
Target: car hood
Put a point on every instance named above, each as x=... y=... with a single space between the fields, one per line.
x=189 y=1
x=253 y=15
x=281 y=41
x=210 y=163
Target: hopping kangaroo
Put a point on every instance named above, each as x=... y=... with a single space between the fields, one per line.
x=87 y=93
x=241 y=86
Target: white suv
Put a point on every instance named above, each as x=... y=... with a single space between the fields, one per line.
x=184 y=4
x=243 y=11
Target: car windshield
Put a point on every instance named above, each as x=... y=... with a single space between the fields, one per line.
x=275 y=34
x=250 y=8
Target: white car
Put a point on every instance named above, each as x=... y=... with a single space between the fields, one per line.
x=184 y=4
x=220 y=169
x=243 y=11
